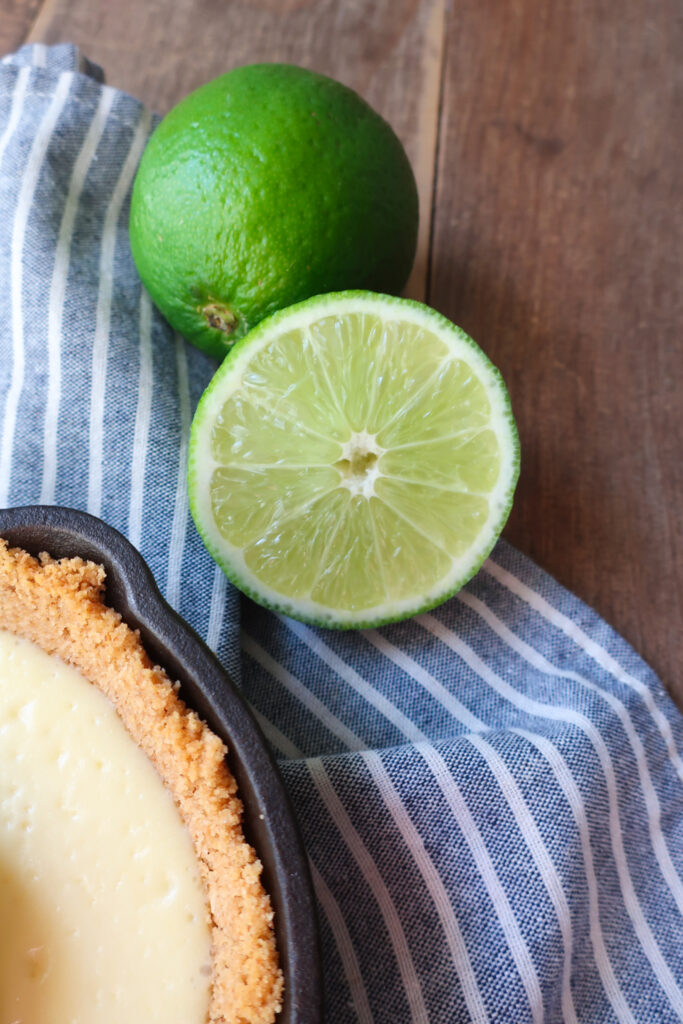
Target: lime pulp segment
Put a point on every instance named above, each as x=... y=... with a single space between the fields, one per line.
x=353 y=460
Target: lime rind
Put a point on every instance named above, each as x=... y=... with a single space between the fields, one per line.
x=261 y=188
x=232 y=376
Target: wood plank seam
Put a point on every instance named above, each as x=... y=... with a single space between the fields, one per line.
x=447 y=12
x=31 y=36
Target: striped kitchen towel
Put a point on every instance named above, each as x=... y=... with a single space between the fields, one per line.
x=491 y=794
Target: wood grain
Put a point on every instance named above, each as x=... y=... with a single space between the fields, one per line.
x=389 y=51
x=558 y=245
x=16 y=19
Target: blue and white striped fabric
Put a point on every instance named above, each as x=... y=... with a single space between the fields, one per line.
x=491 y=794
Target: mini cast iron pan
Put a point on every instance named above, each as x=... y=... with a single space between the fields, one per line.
x=269 y=823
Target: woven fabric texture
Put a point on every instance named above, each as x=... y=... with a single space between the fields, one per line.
x=490 y=794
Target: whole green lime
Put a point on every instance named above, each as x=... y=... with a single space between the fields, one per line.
x=264 y=187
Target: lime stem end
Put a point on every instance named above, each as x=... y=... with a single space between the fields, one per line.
x=220 y=317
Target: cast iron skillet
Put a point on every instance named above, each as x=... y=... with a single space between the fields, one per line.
x=268 y=818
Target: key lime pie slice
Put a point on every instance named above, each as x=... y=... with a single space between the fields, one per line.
x=127 y=890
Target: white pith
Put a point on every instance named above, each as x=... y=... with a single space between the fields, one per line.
x=359 y=478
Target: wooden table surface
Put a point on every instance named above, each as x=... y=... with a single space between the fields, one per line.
x=547 y=144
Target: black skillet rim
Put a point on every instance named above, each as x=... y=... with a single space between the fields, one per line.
x=269 y=821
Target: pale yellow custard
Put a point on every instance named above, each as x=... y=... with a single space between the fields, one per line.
x=103 y=917
x=60 y=606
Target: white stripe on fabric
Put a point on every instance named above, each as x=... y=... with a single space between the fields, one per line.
x=219 y=592
x=376 y=883
x=411 y=837
x=356 y=681
x=143 y=415
x=347 y=953
x=432 y=685
x=652 y=805
x=480 y=854
x=103 y=314
x=592 y=648
x=180 y=505
x=18 y=96
x=39 y=55
x=511 y=930
x=568 y=785
x=437 y=890
x=58 y=292
x=29 y=182
x=542 y=859
x=276 y=738
x=571 y=790
x=429 y=873
x=558 y=713
x=340 y=932
x=303 y=694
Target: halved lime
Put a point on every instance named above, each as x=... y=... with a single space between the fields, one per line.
x=353 y=460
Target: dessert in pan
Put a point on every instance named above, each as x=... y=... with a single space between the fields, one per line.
x=125 y=875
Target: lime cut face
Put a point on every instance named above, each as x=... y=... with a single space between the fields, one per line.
x=353 y=460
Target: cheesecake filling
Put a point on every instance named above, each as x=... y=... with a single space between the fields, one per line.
x=102 y=913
